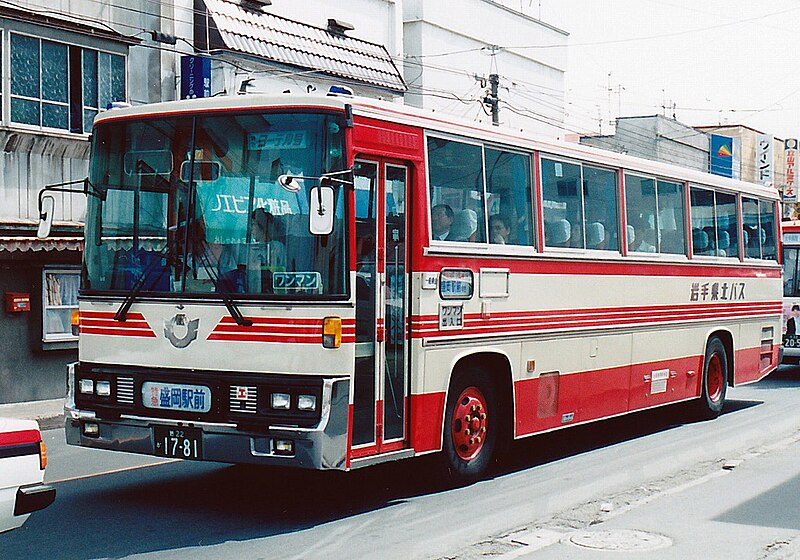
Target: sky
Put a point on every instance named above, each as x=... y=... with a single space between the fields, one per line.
x=729 y=62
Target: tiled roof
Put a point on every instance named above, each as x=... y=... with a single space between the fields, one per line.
x=285 y=41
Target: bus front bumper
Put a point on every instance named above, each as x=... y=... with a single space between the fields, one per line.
x=321 y=447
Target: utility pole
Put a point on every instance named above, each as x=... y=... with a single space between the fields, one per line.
x=492 y=100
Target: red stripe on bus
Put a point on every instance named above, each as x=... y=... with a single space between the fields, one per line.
x=284 y=329
x=615 y=312
x=110 y=315
x=136 y=333
x=315 y=321
x=576 y=265
x=242 y=337
x=114 y=324
x=428 y=325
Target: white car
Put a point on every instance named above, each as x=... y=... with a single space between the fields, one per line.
x=23 y=458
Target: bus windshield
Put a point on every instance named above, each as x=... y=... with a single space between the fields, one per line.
x=191 y=204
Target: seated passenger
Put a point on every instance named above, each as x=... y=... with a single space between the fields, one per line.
x=557 y=234
x=499 y=231
x=631 y=237
x=699 y=241
x=441 y=221
x=266 y=254
x=595 y=236
x=465 y=226
x=724 y=241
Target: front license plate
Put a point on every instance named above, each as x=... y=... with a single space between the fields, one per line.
x=180 y=443
x=176 y=396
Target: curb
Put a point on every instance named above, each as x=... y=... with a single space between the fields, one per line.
x=48 y=413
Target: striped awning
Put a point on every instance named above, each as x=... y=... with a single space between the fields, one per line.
x=280 y=40
x=24 y=244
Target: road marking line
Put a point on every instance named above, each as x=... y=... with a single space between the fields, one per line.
x=114 y=471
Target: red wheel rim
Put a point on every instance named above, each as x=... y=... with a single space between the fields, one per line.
x=715 y=378
x=469 y=426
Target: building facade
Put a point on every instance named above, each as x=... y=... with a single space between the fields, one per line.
x=656 y=137
x=747 y=140
x=449 y=62
x=59 y=69
x=63 y=63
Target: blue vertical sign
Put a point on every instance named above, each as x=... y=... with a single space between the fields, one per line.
x=195 y=77
x=721 y=160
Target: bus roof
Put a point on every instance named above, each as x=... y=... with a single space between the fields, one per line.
x=437 y=122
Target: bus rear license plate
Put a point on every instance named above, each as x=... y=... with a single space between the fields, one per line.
x=180 y=443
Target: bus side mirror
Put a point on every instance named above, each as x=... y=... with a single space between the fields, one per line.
x=320 y=210
x=46 y=206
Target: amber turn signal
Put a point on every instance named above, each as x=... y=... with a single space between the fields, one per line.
x=332 y=332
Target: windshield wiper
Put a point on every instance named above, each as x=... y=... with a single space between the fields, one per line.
x=221 y=288
x=122 y=313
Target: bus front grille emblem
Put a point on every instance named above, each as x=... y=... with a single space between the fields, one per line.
x=178 y=323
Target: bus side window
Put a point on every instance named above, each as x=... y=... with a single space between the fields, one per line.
x=508 y=189
x=562 y=204
x=600 y=208
x=455 y=172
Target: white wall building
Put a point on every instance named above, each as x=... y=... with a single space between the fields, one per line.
x=63 y=62
x=446 y=47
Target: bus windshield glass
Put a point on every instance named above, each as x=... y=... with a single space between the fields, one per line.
x=192 y=205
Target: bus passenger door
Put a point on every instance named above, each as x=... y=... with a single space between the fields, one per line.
x=381 y=369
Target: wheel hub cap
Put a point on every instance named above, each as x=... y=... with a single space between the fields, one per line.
x=470 y=425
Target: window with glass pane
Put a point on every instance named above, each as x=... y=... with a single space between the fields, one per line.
x=90 y=104
x=508 y=187
x=704 y=231
x=48 y=83
x=767 y=218
x=55 y=107
x=455 y=172
x=59 y=300
x=600 y=203
x=25 y=79
x=671 y=218
x=727 y=226
x=789 y=271
x=562 y=204
x=640 y=201
x=751 y=236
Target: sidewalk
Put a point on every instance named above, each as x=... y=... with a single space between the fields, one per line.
x=49 y=413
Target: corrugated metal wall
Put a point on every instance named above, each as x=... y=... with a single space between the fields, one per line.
x=28 y=163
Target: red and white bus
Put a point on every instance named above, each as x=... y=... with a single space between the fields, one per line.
x=333 y=282
x=791 y=292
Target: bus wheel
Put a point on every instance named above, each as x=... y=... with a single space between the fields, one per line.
x=470 y=428
x=715 y=380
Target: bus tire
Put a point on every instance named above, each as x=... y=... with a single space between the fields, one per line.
x=471 y=425
x=715 y=380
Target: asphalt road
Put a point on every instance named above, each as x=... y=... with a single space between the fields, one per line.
x=112 y=505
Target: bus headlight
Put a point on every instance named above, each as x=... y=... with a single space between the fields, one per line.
x=104 y=388
x=86 y=386
x=307 y=402
x=281 y=401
